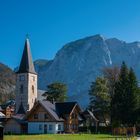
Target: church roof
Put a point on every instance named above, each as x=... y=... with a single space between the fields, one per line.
x=26 y=64
x=21 y=109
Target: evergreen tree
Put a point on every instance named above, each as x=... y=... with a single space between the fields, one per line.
x=133 y=92
x=56 y=92
x=125 y=101
x=99 y=97
x=119 y=106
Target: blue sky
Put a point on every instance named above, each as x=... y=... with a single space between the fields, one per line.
x=53 y=23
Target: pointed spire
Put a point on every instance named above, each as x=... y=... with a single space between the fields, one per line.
x=21 y=109
x=26 y=64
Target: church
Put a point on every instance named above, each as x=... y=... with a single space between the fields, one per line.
x=34 y=115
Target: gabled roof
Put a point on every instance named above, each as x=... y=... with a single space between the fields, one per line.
x=19 y=118
x=2 y=115
x=21 y=109
x=65 y=107
x=8 y=103
x=26 y=64
x=89 y=113
x=56 y=110
x=49 y=107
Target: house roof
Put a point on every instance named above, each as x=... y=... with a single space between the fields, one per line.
x=8 y=103
x=65 y=107
x=26 y=64
x=2 y=115
x=51 y=109
x=1 y=109
x=92 y=115
x=19 y=118
x=55 y=110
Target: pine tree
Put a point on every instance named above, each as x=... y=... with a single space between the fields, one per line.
x=119 y=106
x=125 y=98
x=131 y=97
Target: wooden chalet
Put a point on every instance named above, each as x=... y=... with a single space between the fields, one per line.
x=70 y=112
x=8 y=109
x=16 y=124
x=46 y=117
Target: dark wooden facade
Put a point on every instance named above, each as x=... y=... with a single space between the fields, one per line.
x=71 y=122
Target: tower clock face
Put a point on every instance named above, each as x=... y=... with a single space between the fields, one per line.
x=22 y=78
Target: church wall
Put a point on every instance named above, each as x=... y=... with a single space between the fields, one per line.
x=32 y=89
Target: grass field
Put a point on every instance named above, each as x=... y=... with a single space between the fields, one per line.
x=64 y=137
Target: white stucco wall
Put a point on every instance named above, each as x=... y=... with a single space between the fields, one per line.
x=33 y=127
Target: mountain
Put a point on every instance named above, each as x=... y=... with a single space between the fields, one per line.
x=78 y=63
x=7 y=83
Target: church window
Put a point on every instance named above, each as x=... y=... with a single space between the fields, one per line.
x=33 y=89
x=21 y=89
x=21 y=77
x=33 y=78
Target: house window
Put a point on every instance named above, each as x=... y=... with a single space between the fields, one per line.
x=73 y=126
x=46 y=116
x=21 y=89
x=67 y=126
x=33 y=89
x=73 y=116
x=59 y=126
x=35 y=116
x=50 y=127
x=40 y=126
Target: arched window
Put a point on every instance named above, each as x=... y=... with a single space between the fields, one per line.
x=33 y=89
x=21 y=89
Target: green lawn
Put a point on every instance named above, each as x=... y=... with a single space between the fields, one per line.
x=63 y=137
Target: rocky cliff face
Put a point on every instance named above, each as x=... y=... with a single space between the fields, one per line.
x=78 y=63
x=7 y=83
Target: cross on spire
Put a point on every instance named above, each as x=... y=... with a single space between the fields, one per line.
x=27 y=35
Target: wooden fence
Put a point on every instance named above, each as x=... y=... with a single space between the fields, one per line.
x=129 y=131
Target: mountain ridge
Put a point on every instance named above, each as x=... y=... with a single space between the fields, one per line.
x=79 y=62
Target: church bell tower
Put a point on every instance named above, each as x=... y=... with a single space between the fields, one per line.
x=26 y=81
